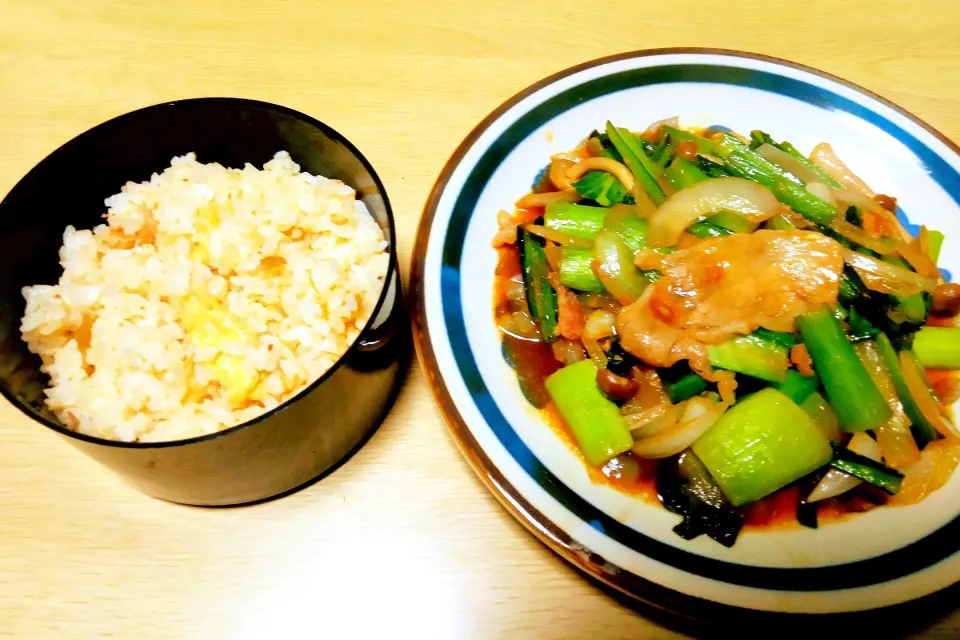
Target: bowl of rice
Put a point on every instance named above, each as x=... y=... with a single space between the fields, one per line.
x=203 y=296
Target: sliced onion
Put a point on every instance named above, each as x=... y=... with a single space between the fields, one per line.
x=653 y=131
x=617 y=169
x=918 y=258
x=594 y=148
x=749 y=199
x=649 y=394
x=558 y=172
x=850 y=197
x=614 y=267
x=922 y=396
x=836 y=481
x=525 y=324
x=796 y=219
x=699 y=415
x=824 y=157
x=600 y=324
x=855 y=234
x=790 y=164
x=514 y=290
x=519 y=324
x=543 y=199
x=896 y=442
x=885 y=277
x=567 y=351
x=652 y=421
x=558 y=236
x=645 y=206
x=596 y=353
x=822 y=191
x=572 y=156
x=554 y=253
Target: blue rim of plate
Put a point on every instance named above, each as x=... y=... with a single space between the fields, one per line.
x=914 y=557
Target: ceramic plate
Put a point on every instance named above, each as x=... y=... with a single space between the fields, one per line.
x=876 y=559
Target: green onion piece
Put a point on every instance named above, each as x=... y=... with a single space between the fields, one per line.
x=851 y=390
x=870 y=471
x=595 y=421
x=541 y=298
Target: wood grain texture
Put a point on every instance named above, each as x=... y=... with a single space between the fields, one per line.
x=403 y=540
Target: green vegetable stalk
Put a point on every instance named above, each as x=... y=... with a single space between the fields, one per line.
x=576 y=220
x=760 y=445
x=541 y=298
x=576 y=270
x=938 y=347
x=751 y=355
x=595 y=421
x=643 y=168
x=851 y=390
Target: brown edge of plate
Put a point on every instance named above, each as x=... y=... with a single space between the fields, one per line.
x=688 y=608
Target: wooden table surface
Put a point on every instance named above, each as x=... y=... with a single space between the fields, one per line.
x=403 y=541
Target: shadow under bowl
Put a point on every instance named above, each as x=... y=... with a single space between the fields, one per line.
x=283 y=449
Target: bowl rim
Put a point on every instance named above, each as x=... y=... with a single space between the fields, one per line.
x=513 y=501
x=392 y=268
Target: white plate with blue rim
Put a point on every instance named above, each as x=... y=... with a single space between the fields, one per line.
x=887 y=556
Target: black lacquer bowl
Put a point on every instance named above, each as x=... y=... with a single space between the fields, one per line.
x=281 y=450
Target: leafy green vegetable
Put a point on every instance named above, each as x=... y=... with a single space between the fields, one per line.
x=643 y=168
x=602 y=188
x=870 y=471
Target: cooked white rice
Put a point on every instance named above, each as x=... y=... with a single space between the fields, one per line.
x=209 y=297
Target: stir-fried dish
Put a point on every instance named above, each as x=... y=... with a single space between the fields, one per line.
x=743 y=331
